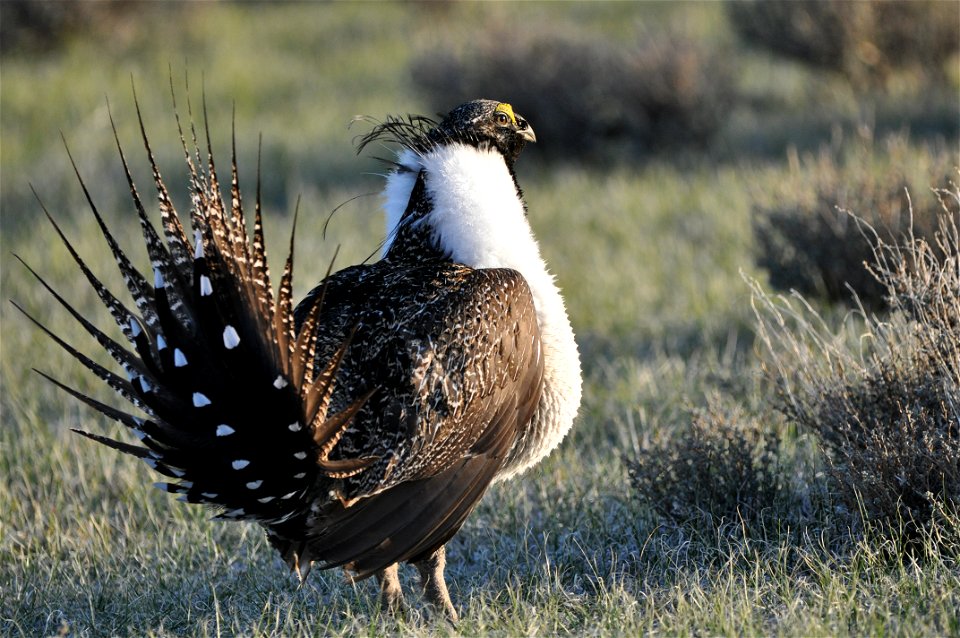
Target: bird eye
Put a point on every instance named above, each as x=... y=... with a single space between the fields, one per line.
x=502 y=119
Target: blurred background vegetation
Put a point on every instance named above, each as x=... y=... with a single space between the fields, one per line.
x=611 y=87
x=682 y=148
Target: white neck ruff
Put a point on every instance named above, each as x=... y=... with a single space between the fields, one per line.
x=478 y=218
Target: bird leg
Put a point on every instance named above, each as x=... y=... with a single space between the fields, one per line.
x=391 y=595
x=434 y=586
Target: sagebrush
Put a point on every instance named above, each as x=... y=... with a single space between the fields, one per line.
x=724 y=468
x=883 y=397
x=864 y=41
x=587 y=94
x=807 y=239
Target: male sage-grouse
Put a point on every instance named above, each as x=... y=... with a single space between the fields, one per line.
x=363 y=427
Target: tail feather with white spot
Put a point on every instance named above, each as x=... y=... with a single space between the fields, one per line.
x=234 y=411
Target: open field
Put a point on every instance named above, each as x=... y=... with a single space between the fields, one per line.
x=652 y=253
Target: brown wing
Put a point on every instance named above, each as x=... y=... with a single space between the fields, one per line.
x=458 y=376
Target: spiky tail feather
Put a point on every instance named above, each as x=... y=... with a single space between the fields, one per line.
x=235 y=409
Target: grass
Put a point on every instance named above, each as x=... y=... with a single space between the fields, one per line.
x=649 y=256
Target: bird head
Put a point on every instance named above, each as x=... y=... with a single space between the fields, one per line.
x=481 y=123
x=486 y=122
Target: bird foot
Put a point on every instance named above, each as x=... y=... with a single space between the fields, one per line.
x=391 y=594
x=435 y=587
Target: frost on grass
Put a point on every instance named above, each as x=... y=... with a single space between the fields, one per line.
x=882 y=396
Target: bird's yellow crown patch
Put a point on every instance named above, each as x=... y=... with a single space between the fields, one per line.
x=503 y=107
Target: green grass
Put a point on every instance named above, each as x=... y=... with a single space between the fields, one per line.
x=649 y=256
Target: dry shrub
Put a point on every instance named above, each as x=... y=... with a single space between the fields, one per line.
x=32 y=26
x=814 y=246
x=724 y=468
x=865 y=41
x=883 y=400
x=588 y=95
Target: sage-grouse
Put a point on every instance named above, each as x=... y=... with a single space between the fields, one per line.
x=362 y=428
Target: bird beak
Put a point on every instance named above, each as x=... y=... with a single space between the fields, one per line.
x=525 y=130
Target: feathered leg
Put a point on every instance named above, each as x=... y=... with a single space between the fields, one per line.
x=391 y=595
x=434 y=586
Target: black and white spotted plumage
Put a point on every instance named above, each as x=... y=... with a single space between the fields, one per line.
x=362 y=428
x=234 y=408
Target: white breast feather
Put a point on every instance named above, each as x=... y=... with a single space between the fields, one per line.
x=396 y=194
x=479 y=219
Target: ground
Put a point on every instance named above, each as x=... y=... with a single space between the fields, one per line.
x=652 y=255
